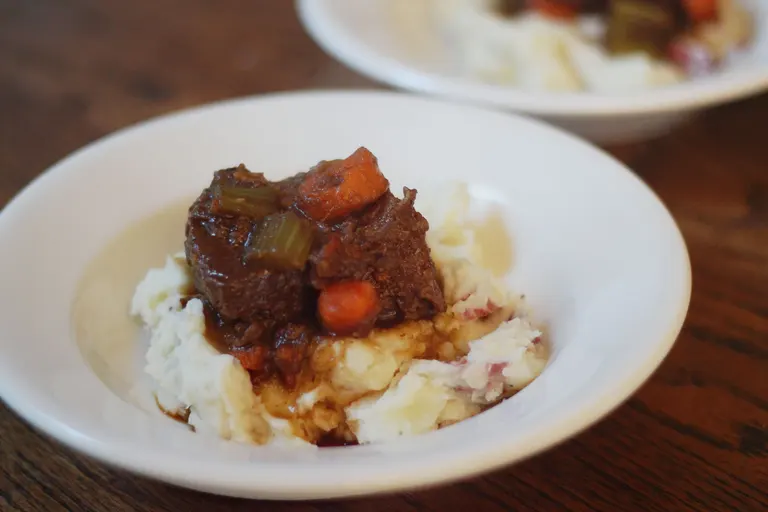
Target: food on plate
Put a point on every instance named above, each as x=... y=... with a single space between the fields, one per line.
x=322 y=310
x=596 y=45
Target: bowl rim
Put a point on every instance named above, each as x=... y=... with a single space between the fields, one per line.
x=125 y=456
x=339 y=42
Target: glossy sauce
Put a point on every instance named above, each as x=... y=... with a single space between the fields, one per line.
x=181 y=417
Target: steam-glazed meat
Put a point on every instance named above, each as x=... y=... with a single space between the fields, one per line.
x=264 y=254
x=384 y=245
x=215 y=246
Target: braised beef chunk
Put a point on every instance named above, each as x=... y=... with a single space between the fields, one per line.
x=386 y=246
x=263 y=254
x=215 y=248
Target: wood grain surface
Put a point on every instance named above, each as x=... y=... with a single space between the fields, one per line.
x=695 y=437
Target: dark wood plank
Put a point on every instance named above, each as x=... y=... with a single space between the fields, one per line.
x=695 y=437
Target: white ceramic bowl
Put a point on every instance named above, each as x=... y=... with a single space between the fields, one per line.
x=365 y=35
x=599 y=257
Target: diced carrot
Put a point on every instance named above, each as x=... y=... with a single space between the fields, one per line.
x=334 y=189
x=251 y=358
x=701 y=10
x=349 y=308
x=289 y=359
x=556 y=8
x=330 y=248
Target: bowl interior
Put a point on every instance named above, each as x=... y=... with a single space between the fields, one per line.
x=391 y=41
x=598 y=256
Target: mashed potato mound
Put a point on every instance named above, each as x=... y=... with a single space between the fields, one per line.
x=406 y=380
x=537 y=53
x=431 y=393
x=190 y=373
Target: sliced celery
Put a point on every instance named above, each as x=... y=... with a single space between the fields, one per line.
x=281 y=240
x=639 y=25
x=251 y=202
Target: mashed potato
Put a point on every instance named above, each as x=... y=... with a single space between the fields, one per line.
x=535 y=53
x=188 y=372
x=431 y=393
x=406 y=380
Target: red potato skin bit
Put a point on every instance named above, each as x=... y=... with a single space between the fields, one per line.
x=479 y=313
x=693 y=57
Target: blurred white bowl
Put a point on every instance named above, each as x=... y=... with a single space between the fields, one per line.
x=368 y=36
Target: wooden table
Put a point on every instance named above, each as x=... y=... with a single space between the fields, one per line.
x=695 y=437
